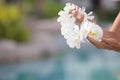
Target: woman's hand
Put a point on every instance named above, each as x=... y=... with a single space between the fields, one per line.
x=111 y=38
x=110 y=41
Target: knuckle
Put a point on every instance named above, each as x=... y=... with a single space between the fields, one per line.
x=98 y=46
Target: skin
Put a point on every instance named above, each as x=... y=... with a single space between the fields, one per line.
x=111 y=37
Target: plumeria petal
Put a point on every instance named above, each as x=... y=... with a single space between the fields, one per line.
x=90 y=13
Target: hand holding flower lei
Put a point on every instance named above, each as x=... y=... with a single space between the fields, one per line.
x=77 y=25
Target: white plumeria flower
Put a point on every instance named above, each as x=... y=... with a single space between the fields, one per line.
x=76 y=26
x=65 y=17
x=91 y=29
x=67 y=29
x=69 y=6
x=74 y=38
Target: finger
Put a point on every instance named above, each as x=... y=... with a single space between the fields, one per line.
x=112 y=43
x=92 y=40
x=99 y=44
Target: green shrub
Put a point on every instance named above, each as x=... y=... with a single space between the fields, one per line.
x=11 y=26
x=46 y=9
x=50 y=9
x=14 y=31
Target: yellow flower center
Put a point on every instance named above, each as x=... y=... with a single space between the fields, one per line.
x=92 y=34
x=85 y=31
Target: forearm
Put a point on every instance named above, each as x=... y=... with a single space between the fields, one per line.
x=116 y=24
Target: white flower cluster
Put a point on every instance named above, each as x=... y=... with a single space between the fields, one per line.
x=77 y=25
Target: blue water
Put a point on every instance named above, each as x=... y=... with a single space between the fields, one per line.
x=84 y=64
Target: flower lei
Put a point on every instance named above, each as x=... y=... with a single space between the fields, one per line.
x=77 y=25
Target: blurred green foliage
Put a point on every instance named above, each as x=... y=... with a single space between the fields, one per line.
x=50 y=9
x=43 y=8
x=105 y=15
x=11 y=26
x=108 y=16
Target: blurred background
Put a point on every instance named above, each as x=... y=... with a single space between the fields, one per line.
x=32 y=47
